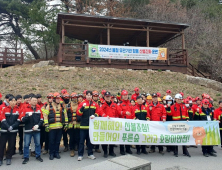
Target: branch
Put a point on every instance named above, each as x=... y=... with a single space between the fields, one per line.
x=3 y=24
x=11 y=33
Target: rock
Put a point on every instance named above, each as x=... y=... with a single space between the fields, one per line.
x=215 y=85
x=87 y=68
x=130 y=69
x=31 y=70
x=149 y=70
x=44 y=63
x=168 y=71
x=64 y=69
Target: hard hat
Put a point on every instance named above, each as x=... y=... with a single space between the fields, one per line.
x=168 y=91
x=178 y=96
x=136 y=89
x=158 y=94
x=63 y=91
x=205 y=101
x=56 y=95
x=164 y=97
x=50 y=95
x=159 y=99
x=197 y=98
x=168 y=97
x=95 y=93
x=124 y=92
x=182 y=94
x=103 y=92
x=74 y=95
x=149 y=97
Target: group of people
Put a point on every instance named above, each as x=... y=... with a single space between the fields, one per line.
x=41 y=126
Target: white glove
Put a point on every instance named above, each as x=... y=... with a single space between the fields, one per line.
x=30 y=113
x=92 y=117
x=84 y=104
x=36 y=127
x=10 y=128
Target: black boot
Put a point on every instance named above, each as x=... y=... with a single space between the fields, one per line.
x=51 y=157
x=57 y=156
x=8 y=161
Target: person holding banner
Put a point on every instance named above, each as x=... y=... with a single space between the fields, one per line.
x=205 y=115
x=126 y=113
x=157 y=113
x=179 y=112
x=109 y=109
x=87 y=109
x=140 y=112
x=218 y=116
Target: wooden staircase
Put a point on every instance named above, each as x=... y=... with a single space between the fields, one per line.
x=191 y=70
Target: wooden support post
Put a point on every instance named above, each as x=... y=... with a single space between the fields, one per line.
x=22 y=57
x=63 y=32
x=5 y=56
x=108 y=39
x=183 y=48
x=60 y=54
x=87 y=57
x=168 y=57
x=148 y=41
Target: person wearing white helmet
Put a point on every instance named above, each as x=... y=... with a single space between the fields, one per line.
x=179 y=112
x=169 y=103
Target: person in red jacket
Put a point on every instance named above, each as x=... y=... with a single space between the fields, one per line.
x=109 y=109
x=157 y=113
x=5 y=103
x=179 y=112
x=137 y=93
x=125 y=108
x=218 y=116
x=33 y=119
x=140 y=112
x=197 y=106
x=19 y=103
x=10 y=119
x=87 y=109
x=102 y=100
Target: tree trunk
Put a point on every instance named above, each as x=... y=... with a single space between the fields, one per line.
x=17 y=31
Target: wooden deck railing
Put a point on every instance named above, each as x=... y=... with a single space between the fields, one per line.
x=11 y=56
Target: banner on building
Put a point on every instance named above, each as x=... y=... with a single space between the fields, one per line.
x=126 y=52
x=137 y=132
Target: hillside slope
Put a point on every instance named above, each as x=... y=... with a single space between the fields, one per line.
x=25 y=79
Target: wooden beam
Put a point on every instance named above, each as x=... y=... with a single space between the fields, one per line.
x=148 y=41
x=108 y=39
x=183 y=40
x=113 y=23
x=63 y=32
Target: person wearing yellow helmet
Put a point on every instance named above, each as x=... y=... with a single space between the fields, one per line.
x=149 y=99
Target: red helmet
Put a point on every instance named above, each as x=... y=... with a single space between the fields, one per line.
x=95 y=93
x=84 y=92
x=66 y=96
x=63 y=91
x=158 y=94
x=207 y=96
x=80 y=95
x=56 y=95
x=103 y=92
x=74 y=95
x=193 y=100
x=205 y=101
x=168 y=91
x=182 y=94
x=50 y=95
x=136 y=89
x=203 y=95
x=186 y=101
x=124 y=92
x=197 y=98
x=189 y=98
